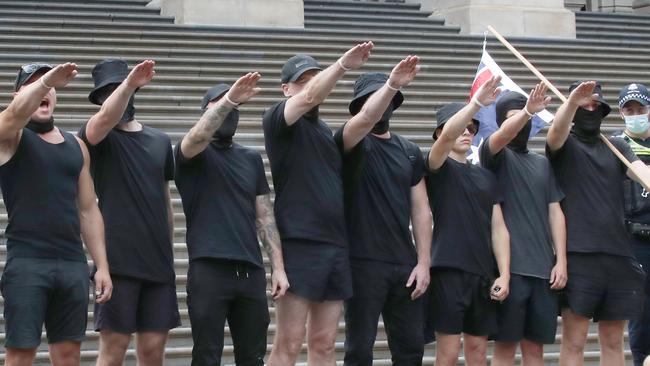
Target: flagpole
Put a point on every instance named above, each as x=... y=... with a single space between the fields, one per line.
x=555 y=91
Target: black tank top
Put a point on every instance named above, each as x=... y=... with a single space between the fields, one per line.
x=39 y=186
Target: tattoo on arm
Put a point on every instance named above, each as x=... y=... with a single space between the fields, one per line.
x=267 y=230
x=211 y=121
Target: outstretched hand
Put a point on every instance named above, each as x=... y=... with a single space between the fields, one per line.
x=404 y=72
x=537 y=100
x=489 y=91
x=141 y=74
x=61 y=75
x=356 y=56
x=583 y=94
x=244 y=88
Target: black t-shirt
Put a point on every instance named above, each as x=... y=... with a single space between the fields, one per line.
x=528 y=186
x=637 y=202
x=592 y=179
x=130 y=170
x=462 y=197
x=306 y=166
x=219 y=188
x=40 y=185
x=377 y=178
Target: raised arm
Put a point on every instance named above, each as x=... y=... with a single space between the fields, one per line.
x=501 y=250
x=92 y=229
x=268 y=233
x=537 y=102
x=559 y=130
x=113 y=107
x=422 y=231
x=199 y=137
x=363 y=122
x=558 y=233
x=29 y=98
x=322 y=84
x=456 y=125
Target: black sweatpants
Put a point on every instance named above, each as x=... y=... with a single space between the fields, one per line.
x=380 y=289
x=225 y=290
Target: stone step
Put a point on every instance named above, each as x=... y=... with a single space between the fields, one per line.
x=314 y=9
x=94 y=7
x=354 y=5
x=87 y=16
x=382 y=20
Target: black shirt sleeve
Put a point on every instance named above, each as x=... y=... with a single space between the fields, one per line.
x=554 y=192
x=273 y=120
x=418 y=167
x=487 y=159
x=262 y=183
x=169 y=163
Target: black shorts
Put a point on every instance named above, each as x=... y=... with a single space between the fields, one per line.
x=604 y=286
x=317 y=271
x=529 y=312
x=459 y=302
x=138 y=306
x=41 y=291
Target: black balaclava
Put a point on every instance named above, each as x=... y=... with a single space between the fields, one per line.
x=381 y=127
x=507 y=102
x=41 y=127
x=312 y=114
x=587 y=123
x=223 y=135
x=129 y=111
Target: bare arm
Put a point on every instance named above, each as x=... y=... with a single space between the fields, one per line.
x=456 y=125
x=113 y=108
x=199 y=136
x=322 y=84
x=363 y=122
x=92 y=229
x=422 y=231
x=558 y=233
x=559 y=130
x=501 y=250
x=268 y=233
x=509 y=129
x=640 y=173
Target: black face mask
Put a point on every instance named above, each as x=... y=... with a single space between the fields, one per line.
x=41 y=127
x=223 y=135
x=312 y=114
x=587 y=124
x=520 y=142
x=381 y=127
x=129 y=112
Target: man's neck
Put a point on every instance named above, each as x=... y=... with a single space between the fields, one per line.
x=461 y=158
x=131 y=126
x=640 y=136
x=385 y=135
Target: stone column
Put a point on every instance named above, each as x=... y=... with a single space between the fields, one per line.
x=251 y=13
x=526 y=18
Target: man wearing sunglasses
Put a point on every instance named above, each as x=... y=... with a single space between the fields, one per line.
x=469 y=233
x=132 y=165
x=51 y=202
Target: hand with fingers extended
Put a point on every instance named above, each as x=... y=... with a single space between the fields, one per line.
x=421 y=277
x=537 y=100
x=488 y=92
x=141 y=74
x=583 y=94
x=103 y=286
x=356 y=56
x=404 y=72
x=60 y=76
x=244 y=88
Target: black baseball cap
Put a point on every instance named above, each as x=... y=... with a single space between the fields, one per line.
x=598 y=89
x=296 y=66
x=634 y=91
x=446 y=112
x=109 y=72
x=26 y=72
x=213 y=93
x=366 y=84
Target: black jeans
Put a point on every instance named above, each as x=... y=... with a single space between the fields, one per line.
x=225 y=290
x=380 y=289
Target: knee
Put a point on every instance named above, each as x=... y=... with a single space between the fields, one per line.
x=506 y=349
x=150 y=354
x=19 y=357
x=66 y=357
x=448 y=355
x=573 y=344
x=611 y=341
x=290 y=344
x=322 y=343
x=476 y=350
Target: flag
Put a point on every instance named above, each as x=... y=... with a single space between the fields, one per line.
x=487 y=115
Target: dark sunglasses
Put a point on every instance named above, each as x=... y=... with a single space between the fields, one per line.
x=472 y=128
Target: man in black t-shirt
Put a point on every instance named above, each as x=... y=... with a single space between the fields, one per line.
x=306 y=167
x=633 y=104
x=382 y=175
x=535 y=221
x=225 y=194
x=605 y=283
x=132 y=165
x=469 y=233
x=51 y=205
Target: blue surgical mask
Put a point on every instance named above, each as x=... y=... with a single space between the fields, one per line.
x=637 y=124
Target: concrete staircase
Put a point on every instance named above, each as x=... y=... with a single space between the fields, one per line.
x=192 y=58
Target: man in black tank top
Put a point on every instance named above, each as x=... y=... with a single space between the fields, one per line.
x=51 y=204
x=132 y=165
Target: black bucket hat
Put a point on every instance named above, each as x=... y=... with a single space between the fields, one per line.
x=599 y=91
x=107 y=73
x=213 y=93
x=367 y=84
x=26 y=72
x=296 y=66
x=446 y=112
